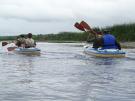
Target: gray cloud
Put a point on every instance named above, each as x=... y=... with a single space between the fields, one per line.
x=52 y=16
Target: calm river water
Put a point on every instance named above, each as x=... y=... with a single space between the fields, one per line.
x=64 y=73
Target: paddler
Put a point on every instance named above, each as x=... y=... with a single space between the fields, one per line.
x=98 y=40
x=20 y=42
x=107 y=41
x=30 y=41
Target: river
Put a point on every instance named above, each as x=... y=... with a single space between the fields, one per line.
x=64 y=73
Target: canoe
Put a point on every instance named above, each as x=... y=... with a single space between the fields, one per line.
x=32 y=50
x=112 y=53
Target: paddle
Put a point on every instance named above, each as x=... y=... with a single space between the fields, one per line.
x=83 y=26
x=79 y=26
x=88 y=28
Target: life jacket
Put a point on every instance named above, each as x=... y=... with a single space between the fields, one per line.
x=109 y=42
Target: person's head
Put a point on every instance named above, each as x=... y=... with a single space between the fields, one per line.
x=106 y=31
x=99 y=34
x=29 y=35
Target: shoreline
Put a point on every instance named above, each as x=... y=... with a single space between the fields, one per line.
x=127 y=44
x=123 y=44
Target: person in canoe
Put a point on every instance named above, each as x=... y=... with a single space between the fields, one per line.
x=29 y=41
x=107 y=41
x=20 y=42
x=103 y=40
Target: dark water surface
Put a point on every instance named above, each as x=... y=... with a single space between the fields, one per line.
x=64 y=73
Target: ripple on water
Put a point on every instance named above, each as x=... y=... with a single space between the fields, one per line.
x=64 y=73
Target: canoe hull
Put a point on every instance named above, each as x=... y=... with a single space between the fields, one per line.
x=29 y=51
x=107 y=53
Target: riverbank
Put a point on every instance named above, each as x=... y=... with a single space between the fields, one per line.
x=123 y=44
x=127 y=44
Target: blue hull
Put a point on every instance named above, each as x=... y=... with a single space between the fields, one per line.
x=104 y=52
x=27 y=50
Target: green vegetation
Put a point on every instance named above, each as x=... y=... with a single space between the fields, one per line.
x=63 y=36
x=124 y=32
x=2 y=38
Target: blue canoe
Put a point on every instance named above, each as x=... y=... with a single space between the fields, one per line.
x=32 y=50
x=115 y=53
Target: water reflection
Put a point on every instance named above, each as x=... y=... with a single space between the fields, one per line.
x=26 y=68
x=103 y=61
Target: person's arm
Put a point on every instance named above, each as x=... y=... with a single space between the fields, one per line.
x=35 y=43
x=18 y=43
x=98 y=43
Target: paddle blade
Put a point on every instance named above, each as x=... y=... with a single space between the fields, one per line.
x=85 y=25
x=79 y=26
x=4 y=43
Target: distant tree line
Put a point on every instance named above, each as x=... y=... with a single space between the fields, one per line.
x=62 y=36
x=2 y=38
x=123 y=32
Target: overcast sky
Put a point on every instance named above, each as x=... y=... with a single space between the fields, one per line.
x=53 y=16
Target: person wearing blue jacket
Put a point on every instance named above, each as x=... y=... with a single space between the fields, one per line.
x=107 y=41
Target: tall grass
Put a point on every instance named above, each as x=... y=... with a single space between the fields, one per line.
x=123 y=32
